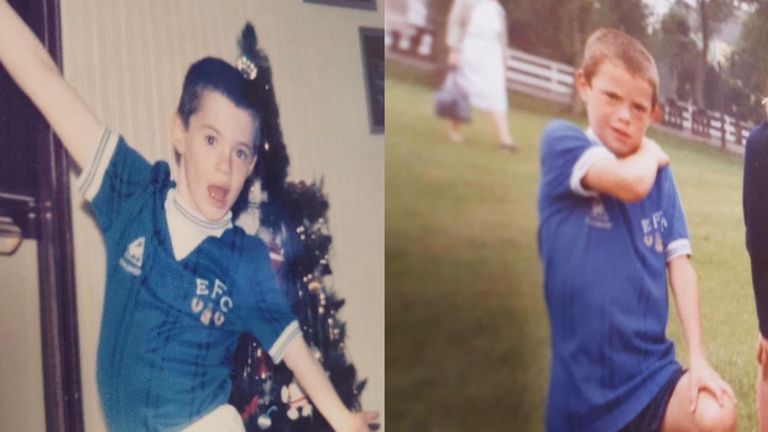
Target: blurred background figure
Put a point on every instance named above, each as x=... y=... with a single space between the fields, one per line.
x=477 y=42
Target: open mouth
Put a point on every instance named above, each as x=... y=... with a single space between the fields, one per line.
x=218 y=195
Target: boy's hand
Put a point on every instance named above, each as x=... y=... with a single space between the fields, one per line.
x=363 y=421
x=704 y=378
x=762 y=355
x=649 y=145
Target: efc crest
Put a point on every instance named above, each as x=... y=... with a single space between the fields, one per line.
x=211 y=302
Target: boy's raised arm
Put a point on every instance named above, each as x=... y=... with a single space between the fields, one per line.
x=629 y=178
x=32 y=68
x=318 y=387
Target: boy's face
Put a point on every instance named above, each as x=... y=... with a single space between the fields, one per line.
x=619 y=106
x=216 y=152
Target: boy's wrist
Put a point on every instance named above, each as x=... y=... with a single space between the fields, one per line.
x=344 y=422
x=697 y=358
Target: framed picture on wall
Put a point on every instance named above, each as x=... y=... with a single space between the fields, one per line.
x=372 y=48
x=356 y=4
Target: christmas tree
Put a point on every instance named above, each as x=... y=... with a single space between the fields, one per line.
x=293 y=223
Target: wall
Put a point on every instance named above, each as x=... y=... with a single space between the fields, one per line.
x=21 y=368
x=127 y=59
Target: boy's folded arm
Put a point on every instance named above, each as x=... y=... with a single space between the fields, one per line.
x=32 y=68
x=628 y=179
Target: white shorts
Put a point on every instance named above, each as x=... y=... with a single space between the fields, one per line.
x=224 y=418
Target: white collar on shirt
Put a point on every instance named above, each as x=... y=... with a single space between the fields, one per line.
x=592 y=137
x=187 y=228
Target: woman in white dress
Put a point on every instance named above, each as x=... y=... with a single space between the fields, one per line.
x=477 y=40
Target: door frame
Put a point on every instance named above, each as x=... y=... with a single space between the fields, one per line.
x=52 y=219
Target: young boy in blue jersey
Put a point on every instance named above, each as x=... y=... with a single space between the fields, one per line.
x=183 y=283
x=611 y=231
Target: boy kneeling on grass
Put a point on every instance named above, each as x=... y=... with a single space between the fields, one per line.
x=183 y=282
x=611 y=228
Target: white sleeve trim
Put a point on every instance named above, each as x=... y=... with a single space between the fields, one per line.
x=90 y=179
x=678 y=247
x=580 y=168
x=277 y=350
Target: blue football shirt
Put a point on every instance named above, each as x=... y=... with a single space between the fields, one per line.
x=169 y=327
x=605 y=285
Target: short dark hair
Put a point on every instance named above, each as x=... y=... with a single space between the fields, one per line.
x=213 y=74
x=613 y=45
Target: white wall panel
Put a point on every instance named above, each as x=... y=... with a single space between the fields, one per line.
x=22 y=404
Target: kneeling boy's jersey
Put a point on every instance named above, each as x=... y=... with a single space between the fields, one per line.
x=605 y=286
x=169 y=328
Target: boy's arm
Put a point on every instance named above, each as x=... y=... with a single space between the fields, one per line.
x=318 y=387
x=32 y=68
x=685 y=290
x=630 y=178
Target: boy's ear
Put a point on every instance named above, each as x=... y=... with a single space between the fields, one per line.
x=177 y=133
x=657 y=115
x=581 y=84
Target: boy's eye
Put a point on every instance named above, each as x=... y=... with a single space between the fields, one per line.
x=210 y=140
x=242 y=154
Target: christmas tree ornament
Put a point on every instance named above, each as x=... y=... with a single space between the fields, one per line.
x=265 y=420
x=298 y=403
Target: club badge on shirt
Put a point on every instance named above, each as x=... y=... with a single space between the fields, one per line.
x=133 y=257
x=598 y=217
x=653 y=227
x=211 y=301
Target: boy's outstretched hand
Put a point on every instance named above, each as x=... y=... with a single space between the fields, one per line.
x=362 y=421
x=704 y=378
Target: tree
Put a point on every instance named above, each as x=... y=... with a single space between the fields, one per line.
x=710 y=15
x=629 y=16
x=675 y=52
x=748 y=66
x=266 y=394
x=576 y=23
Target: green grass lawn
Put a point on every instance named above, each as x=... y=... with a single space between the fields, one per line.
x=466 y=326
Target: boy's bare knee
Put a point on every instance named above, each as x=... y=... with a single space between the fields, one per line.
x=713 y=417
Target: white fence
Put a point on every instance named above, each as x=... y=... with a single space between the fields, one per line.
x=548 y=79
x=538 y=76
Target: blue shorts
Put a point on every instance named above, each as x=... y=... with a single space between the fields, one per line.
x=651 y=417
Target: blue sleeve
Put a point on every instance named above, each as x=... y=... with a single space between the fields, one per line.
x=567 y=154
x=267 y=315
x=562 y=144
x=116 y=173
x=676 y=240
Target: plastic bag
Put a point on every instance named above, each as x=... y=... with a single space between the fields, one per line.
x=452 y=101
